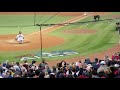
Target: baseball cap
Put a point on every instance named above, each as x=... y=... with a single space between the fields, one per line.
x=116 y=65
x=102 y=62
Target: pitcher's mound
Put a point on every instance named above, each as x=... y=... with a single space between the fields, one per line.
x=15 y=42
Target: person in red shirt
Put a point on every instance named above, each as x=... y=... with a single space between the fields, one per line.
x=115 y=56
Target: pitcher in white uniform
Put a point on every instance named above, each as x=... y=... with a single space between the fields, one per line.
x=20 y=37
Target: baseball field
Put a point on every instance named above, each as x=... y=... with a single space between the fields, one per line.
x=89 y=39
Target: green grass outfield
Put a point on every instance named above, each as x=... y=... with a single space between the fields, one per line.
x=86 y=44
x=12 y=24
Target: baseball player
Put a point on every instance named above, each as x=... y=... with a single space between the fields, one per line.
x=20 y=38
x=85 y=13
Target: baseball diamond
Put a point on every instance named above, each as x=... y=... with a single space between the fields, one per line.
x=58 y=39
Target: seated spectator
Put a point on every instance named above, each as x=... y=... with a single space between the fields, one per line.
x=118 y=74
x=97 y=69
x=102 y=75
x=104 y=68
x=26 y=65
x=8 y=74
x=54 y=70
x=4 y=67
x=1 y=69
x=87 y=61
x=61 y=75
x=52 y=75
x=84 y=75
x=46 y=75
x=94 y=74
x=44 y=62
x=31 y=73
x=95 y=61
x=115 y=56
x=17 y=66
x=37 y=72
x=78 y=63
x=70 y=76
x=24 y=75
x=41 y=75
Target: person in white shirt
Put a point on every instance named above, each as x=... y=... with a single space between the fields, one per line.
x=20 y=38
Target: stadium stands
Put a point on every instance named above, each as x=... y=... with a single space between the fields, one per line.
x=107 y=68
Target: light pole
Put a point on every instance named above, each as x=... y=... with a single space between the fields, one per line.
x=34 y=18
x=40 y=27
x=41 y=39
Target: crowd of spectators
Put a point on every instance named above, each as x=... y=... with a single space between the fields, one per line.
x=107 y=68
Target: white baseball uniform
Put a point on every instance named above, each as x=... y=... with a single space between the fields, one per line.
x=20 y=38
x=85 y=13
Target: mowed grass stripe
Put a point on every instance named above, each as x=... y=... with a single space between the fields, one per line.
x=100 y=41
x=83 y=42
x=90 y=39
x=89 y=42
x=99 y=35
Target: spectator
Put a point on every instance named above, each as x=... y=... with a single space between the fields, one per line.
x=118 y=74
x=106 y=68
x=94 y=74
x=115 y=56
x=17 y=66
x=41 y=75
x=26 y=65
x=87 y=61
x=24 y=75
x=46 y=75
x=1 y=69
x=37 y=72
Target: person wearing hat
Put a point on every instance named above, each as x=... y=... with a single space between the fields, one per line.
x=103 y=68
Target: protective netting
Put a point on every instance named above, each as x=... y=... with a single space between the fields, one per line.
x=28 y=19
